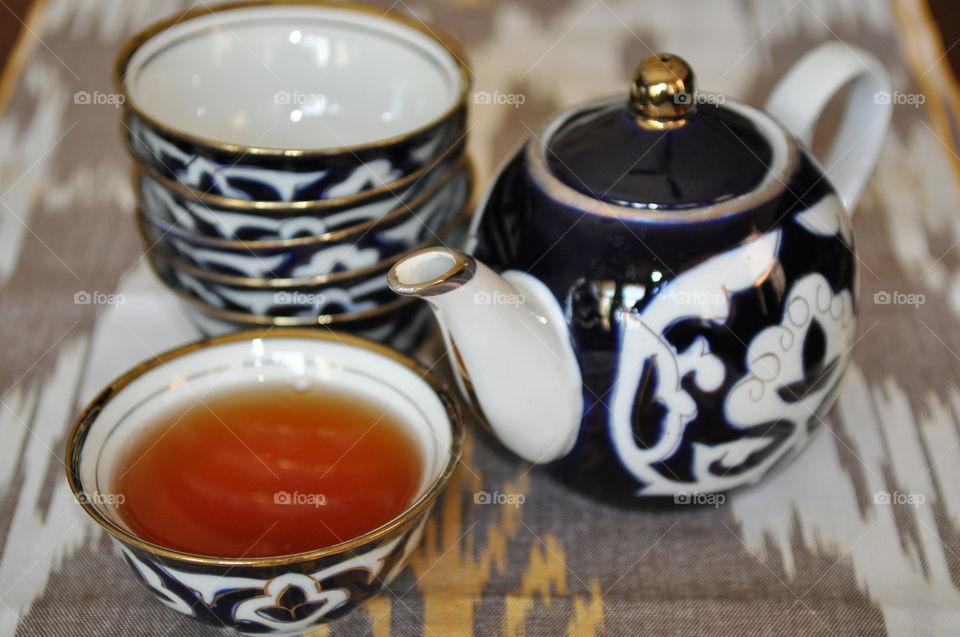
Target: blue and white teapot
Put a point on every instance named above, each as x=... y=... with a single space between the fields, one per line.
x=677 y=287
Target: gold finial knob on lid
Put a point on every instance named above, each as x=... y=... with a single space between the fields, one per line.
x=663 y=94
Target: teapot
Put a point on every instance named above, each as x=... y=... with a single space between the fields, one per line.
x=659 y=293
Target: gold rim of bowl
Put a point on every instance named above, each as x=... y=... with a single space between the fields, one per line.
x=77 y=437
x=141 y=38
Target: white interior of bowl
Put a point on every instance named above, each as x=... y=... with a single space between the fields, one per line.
x=293 y=77
x=233 y=367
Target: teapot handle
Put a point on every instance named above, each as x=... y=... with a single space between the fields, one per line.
x=800 y=97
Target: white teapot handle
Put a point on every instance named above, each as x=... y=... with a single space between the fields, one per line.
x=799 y=99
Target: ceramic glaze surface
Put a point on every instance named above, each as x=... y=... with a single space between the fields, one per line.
x=166 y=224
x=289 y=603
x=711 y=306
x=540 y=386
x=251 y=102
x=183 y=209
x=187 y=77
x=239 y=176
x=718 y=155
x=708 y=351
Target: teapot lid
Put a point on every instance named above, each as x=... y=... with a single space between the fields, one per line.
x=667 y=147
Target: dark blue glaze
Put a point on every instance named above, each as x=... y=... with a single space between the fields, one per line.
x=199 y=211
x=523 y=228
x=174 y=158
x=432 y=217
x=605 y=154
x=290 y=606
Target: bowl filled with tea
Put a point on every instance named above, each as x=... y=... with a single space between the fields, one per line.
x=267 y=482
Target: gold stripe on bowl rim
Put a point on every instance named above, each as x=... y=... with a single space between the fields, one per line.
x=141 y=38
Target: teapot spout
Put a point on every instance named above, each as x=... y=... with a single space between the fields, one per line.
x=508 y=344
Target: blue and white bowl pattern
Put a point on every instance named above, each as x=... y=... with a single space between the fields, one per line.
x=240 y=176
x=302 y=258
x=245 y=302
x=364 y=291
x=718 y=343
x=288 y=603
x=344 y=297
x=194 y=216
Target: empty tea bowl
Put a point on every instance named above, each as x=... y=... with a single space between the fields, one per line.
x=181 y=216
x=348 y=292
x=397 y=323
x=282 y=594
x=342 y=291
x=291 y=101
x=354 y=247
x=218 y=217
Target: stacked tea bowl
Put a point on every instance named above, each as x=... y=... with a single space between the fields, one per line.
x=287 y=154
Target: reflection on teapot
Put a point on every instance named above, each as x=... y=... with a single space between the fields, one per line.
x=674 y=310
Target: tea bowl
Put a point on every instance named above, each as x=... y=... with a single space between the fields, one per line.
x=353 y=247
x=391 y=99
x=345 y=293
x=284 y=594
x=341 y=291
x=234 y=219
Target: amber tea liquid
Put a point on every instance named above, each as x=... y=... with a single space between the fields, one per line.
x=270 y=470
